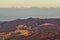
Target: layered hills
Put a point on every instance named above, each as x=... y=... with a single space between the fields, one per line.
x=43 y=29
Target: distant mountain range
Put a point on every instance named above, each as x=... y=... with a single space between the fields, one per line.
x=7 y=26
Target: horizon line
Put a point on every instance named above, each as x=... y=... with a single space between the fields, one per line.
x=32 y=17
x=30 y=7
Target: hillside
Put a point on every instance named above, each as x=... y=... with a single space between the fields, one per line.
x=43 y=29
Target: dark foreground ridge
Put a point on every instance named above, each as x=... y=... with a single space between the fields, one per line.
x=30 y=29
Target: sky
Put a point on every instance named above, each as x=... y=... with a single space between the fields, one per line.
x=16 y=9
x=29 y=3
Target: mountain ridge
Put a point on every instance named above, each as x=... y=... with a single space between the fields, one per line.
x=29 y=22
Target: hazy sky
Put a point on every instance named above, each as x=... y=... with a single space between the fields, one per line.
x=15 y=9
x=29 y=3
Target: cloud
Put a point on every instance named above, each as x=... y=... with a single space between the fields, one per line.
x=29 y=3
